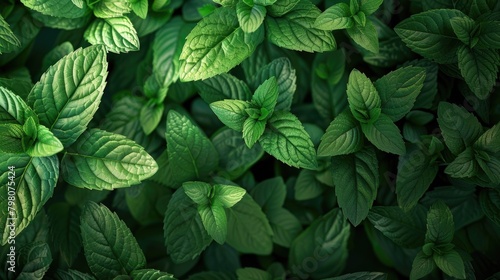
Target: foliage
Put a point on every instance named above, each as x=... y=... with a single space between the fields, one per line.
x=249 y=139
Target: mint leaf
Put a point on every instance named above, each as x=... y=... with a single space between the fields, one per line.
x=109 y=253
x=210 y=51
x=250 y=18
x=286 y=227
x=117 y=34
x=190 y=152
x=35 y=181
x=366 y=36
x=266 y=95
x=450 y=263
x=103 y=160
x=328 y=236
x=185 y=235
x=361 y=276
x=295 y=30
x=460 y=128
x=46 y=144
x=281 y=7
x=226 y=195
x=490 y=203
x=370 y=6
x=68 y=93
x=440 y=225
x=11 y=136
x=343 y=136
x=57 y=8
x=464 y=28
x=489 y=36
x=364 y=100
x=488 y=140
x=252 y=131
x=151 y=274
x=464 y=165
x=250 y=273
x=422 y=266
x=215 y=221
x=399 y=89
x=431 y=35
x=8 y=40
x=13 y=109
x=479 y=69
x=65 y=230
x=110 y=8
x=356 y=182
x=150 y=116
x=140 y=8
x=270 y=193
x=307 y=186
x=35 y=260
x=223 y=86
x=335 y=17
x=231 y=112
x=286 y=140
x=199 y=192
x=384 y=135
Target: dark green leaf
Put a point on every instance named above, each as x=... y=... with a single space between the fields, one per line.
x=34 y=259
x=490 y=203
x=151 y=274
x=440 y=225
x=223 y=86
x=251 y=273
x=450 y=263
x=8 y=40
x=361 y=276
x=343 y=136
x=422 y=266
x=385 y=135
x=489 y=36
x=489 y=140
x=307 y=186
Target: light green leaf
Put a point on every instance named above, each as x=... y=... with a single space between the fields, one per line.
x=325 y=240
x=385 y=135
x=281 y=68
x=460 y=129
x=117 y=34
x=422 y=266
x=479 y=69
x=140 y=8
x=57 y=8
x=250 y=230
x=489 y=36
x=364 y=100
x=13 y=109
x=399 y=89
x=253 y=129
x=266 y=95
x=185 y=236
x=110 y=8
x=464 y=165
x=281 y=7
x=151 y=115
x=8 y=40
x=250 y=18
x=227 y=196
x=250 y=273
x=405 y=229
x=343 y=136
x=490 y=203
x=61 y=22
x=287 y=141
x=223 y=86
x=11 y=136
x=295 y=30
x=356 y=182
x=307 y=186
x=450 y=263
x=68 y=94
x=151 y=274
x=370 y=6
x=431 y=35
x=103 y=160
x=110 y=248
x=34 y=260
x=440 y=225
x=489 y=140
x=335 y=17
x=199 y=192
x=215 y=221
x=365 y=36
x=210 y=51
x=190 y=152
x=35 y=180
x=46 y=144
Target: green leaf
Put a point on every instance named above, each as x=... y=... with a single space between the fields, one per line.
x=250 y=230
x=56 y=54
x=223 y=86
x=110 y=8
x=488 y=140
x=399 y=89
x=490 y=203
x=190 y=152
x=151 y=115
x=422 y=266
x=140 y=8
x=281 y=7
x=266 y=95
x=72 y=274
x=65 y=231
x=325 y=241
x=479 y=69
x=13 y=109
x=286 y=79
x=405 y=229
x=199 y=192
x=464 y=165
x=110 y=248
x=103 y=160
x=250 y=18
x=450 y=263
x=35 y=180
x=210 y=51
x=463 y=28
x=46 y=144
x=250 y=273
x=307 y=186
x=35 y=260
x=365 y=36
x=286 y=227
x=370 y=6
x=151 y=274
x=440 y=225
x=68 y=93
x=11 y=136
x=226 y=195
x=286 y=140
x=185 y=236
x=57 y=8
x=356 y=182
x=335 y=17
x=385 y=135
x=295 y=30
x=459 y=128
x=215 y=221
x=364 y=100
x=252 y=131
x=8 y=40
x=270 y=193
x=489 y=36
x=343 y=136
x=431 y=35
x=117 y=34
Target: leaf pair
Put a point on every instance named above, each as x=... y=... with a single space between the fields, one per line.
x=353 y=18
x=211 y=202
